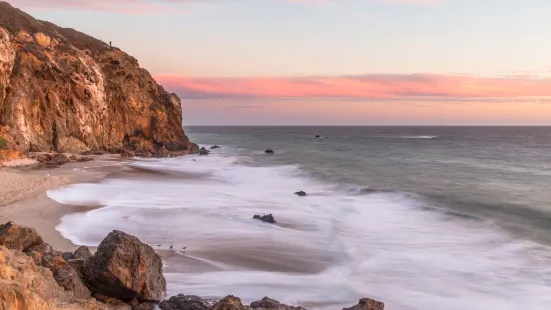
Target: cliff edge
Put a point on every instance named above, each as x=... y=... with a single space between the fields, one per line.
x=64 y=91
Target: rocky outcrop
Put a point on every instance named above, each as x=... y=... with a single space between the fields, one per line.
x=64 y=91
x=367 y=304
x=271 y=152
x=204 y=151
x=301 y=193
x=265 y=218
x=124 y=274
x=125 y=268
x=24 y=285
x=17 y=237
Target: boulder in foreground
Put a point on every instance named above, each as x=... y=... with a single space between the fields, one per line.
x=18 y=237
x=367 y=304
x=125 y=268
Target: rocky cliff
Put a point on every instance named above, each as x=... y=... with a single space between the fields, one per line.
x=64 y=91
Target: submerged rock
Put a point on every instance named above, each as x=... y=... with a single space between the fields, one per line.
x=317 y=136
x=186 y=302
x=18 y=237
x=269 y=151
x=268 y=303
x=301 y=193
x=125 y=268
x=266 y=218
x=367 y=304
x=214 y=147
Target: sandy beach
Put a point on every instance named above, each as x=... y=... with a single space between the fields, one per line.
x=24 y=200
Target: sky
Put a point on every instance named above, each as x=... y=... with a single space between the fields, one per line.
x=333 y=62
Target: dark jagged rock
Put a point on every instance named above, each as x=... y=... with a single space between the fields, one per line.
x=37 y=252
x=301 y=193
x=265 y=218
x=268 y=303
x=214 y=147
x=18 y=237
x=62 y=90
x=186 y=302
x=317 y=136
x=229 y=303
x=82 y=252
x=125 y=268
x=67 y=256
x=269 y=152
x=65 y=275
x=204 y=151
x=367 y=304
x=78 y=265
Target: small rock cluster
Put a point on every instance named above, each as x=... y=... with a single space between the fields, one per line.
x=58 y=159
x=265 y=218
x=124 y=274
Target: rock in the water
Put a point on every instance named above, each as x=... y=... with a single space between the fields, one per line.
x=317 y=136
x=186 y=302
x=82 y=252
x=125 y=268
x=301 y=193
x=65 y=275
x=268 y=303
x=265 y=218
x=269 y=151
x=229 y=303
x=214 y=147
x=367 y=304
x=204 y=151
x=127 y=153
x=18 y=237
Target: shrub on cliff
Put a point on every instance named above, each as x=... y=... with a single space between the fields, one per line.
x=3 y=143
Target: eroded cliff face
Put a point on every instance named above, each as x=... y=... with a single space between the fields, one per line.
x=64 y=91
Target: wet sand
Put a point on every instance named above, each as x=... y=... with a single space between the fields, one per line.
x=23 y=197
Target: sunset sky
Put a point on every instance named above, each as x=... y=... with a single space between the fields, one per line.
x=333 y=62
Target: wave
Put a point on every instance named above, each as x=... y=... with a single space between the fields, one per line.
x=418 y=137
x=332 y=246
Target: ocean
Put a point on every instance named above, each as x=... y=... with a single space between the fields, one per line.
x=433 y=218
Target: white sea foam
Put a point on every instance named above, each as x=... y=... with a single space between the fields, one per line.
x=418 y=137
x=332 y=247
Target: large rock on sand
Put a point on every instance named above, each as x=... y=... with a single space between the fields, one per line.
x=125 y=268
x=367 y=304
x=186 y=302
x=18 y=237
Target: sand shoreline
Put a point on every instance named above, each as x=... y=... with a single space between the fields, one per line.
x=23 y=196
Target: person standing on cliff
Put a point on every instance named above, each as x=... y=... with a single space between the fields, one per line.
x=110 y=45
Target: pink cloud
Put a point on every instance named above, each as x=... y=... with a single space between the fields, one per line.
x=153 y=6
x=366 y=86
